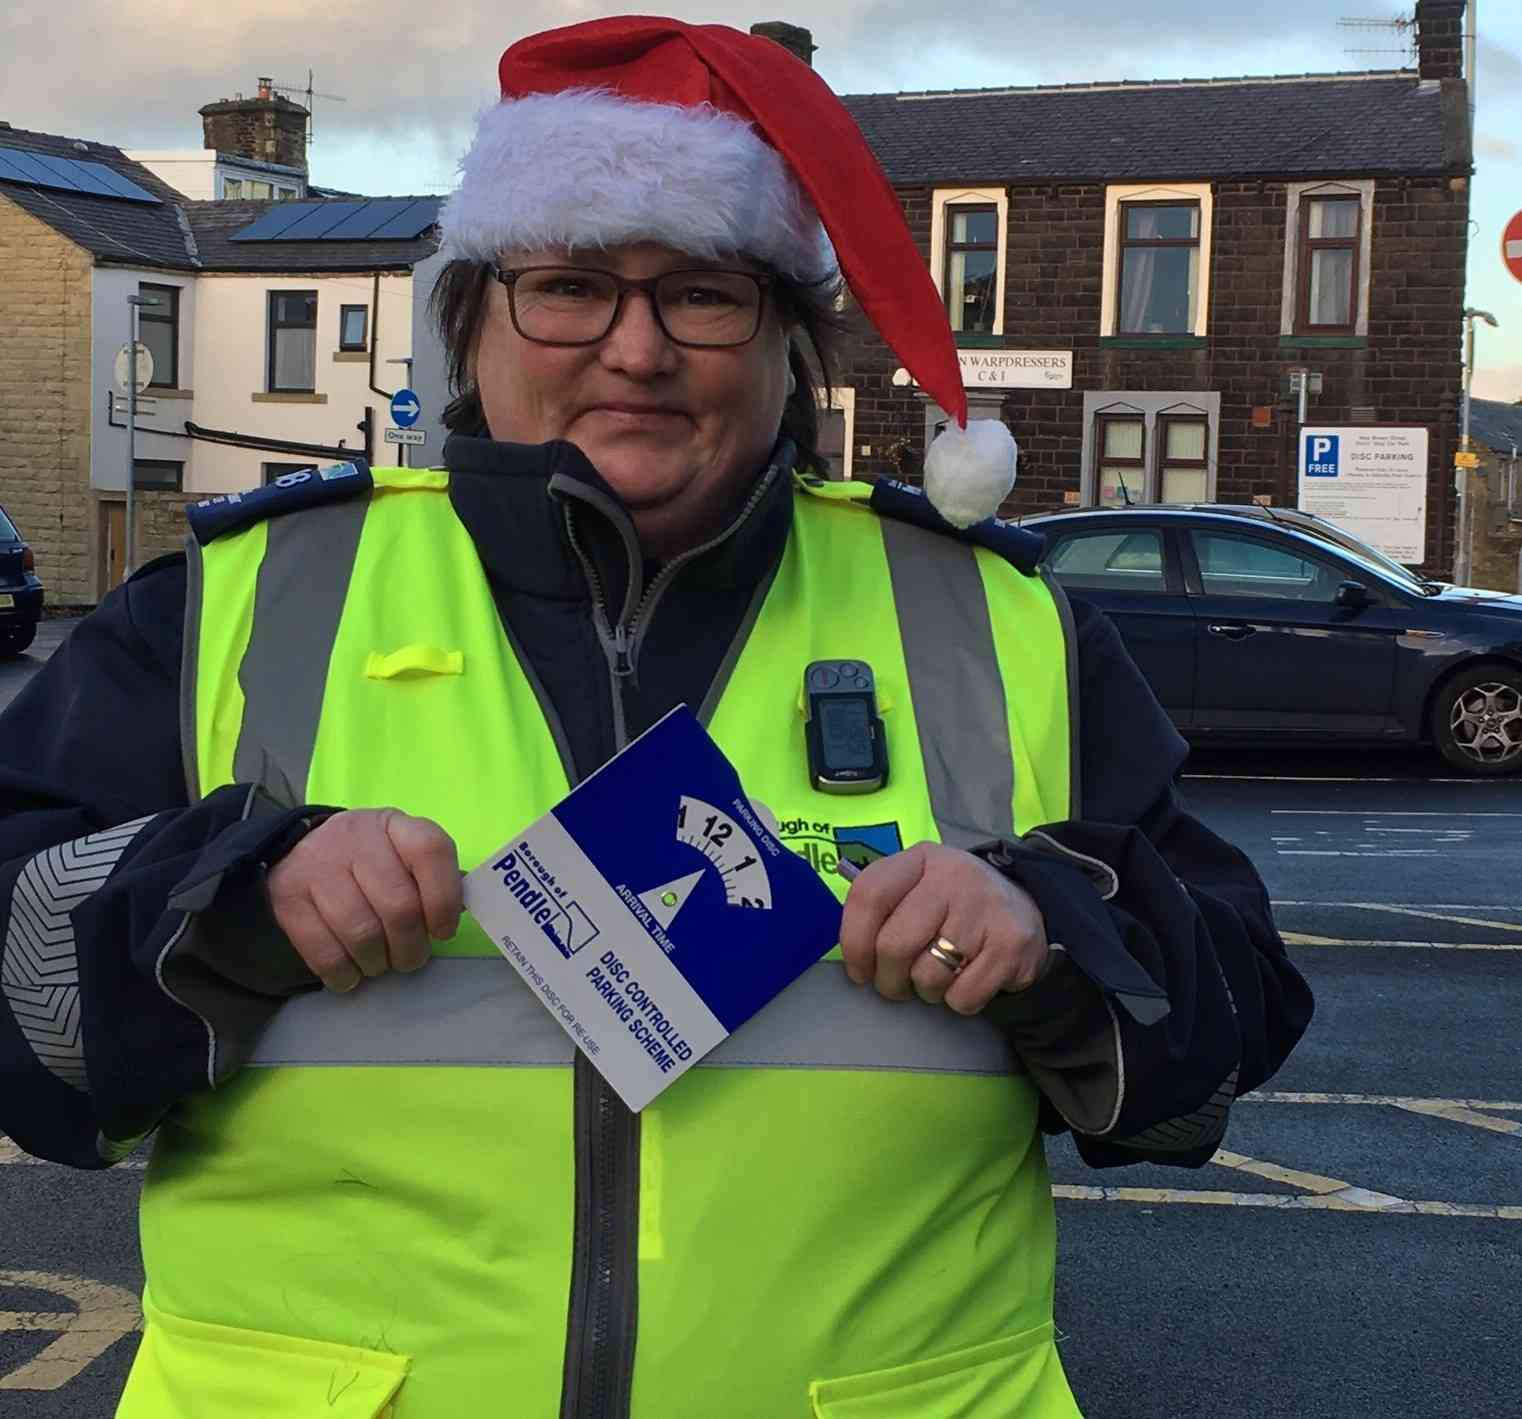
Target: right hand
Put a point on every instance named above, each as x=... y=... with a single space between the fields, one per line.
x=367 y=891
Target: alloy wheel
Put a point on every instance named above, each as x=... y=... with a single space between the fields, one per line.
x=1486 y=723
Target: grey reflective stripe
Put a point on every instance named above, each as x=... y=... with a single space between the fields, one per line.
x=476 y=1011
x=1075 y=738
x=190 y=661
x=954 y=679
x=298 y=603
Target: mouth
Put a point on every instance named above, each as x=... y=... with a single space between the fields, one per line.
x=637 y=415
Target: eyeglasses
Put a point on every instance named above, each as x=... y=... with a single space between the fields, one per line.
x=571 y=305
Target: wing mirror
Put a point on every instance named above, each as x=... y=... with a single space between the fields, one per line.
x=1353 y=596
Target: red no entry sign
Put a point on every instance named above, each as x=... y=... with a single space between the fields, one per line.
x=1511 y=246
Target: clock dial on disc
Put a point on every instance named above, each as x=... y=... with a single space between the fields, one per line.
x=730 y=850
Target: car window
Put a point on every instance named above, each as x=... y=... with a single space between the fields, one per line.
x=8 y=531
x=1128 y=560
x=1243 y=566
x=1345 y=542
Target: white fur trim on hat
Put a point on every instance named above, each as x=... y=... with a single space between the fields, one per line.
x=586 y=168
x=969 y=472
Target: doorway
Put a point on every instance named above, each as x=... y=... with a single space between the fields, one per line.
x=113 y=543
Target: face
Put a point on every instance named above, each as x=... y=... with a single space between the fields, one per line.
x=679 y=433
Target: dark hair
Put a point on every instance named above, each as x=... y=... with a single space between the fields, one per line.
x=458 y=304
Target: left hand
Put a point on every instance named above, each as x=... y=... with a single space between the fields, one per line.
x=902 y=905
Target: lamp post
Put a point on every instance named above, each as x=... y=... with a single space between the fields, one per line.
x=134 y=303
x=1461 y=551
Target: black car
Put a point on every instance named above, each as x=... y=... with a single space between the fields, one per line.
x=1269 y=625
x=20 y=591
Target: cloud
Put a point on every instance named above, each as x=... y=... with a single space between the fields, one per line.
x=1503 y=382
x=1501 y=148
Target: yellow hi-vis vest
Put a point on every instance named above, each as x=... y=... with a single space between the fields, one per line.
x=843 y=1212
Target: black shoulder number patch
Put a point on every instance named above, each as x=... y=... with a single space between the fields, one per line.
x=290 y=492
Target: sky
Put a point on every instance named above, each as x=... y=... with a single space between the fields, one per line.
x=412 y=78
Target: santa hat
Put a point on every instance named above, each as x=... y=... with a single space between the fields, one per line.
x=716 y=143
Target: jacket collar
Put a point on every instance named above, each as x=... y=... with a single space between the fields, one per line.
x=513 y=500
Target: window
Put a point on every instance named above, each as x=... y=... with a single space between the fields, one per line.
x=259 y=190
x=1122 y=467
x=1328 y=271
x=1243 y=566
x=353 y=327
x=1159 y=268
x=968 y=231
x=159 y=329
x=272 y=471
x=837 y=425
x=232 y=188
x=293 y=342
x=1185 y=470
x=972 y=267
x=1156 y=281
x=284 y=194
x=158 y=474
x=1154 y=446
x=1110 y=561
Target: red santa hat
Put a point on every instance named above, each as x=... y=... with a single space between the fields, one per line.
x=716 y=143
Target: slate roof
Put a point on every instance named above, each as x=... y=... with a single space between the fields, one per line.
x=214 y=224
x=124 y=233
x=179 y=234
x=1297 y=126
x=1495 y=424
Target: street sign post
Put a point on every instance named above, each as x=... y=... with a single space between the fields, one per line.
x=1511 y=246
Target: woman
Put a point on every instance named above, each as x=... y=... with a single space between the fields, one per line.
x=403 y=1195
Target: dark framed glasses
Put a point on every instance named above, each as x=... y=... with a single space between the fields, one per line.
x=573 y=305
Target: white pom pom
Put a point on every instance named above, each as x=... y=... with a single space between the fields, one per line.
x=969 y=472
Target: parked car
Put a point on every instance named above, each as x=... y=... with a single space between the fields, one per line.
x=1270 y=625
x=20 y=591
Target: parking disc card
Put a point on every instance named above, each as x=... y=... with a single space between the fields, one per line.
x=652 y=910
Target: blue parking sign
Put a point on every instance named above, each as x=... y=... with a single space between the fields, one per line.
x=1321 y=455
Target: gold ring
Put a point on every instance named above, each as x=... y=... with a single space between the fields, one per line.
x=948 y=955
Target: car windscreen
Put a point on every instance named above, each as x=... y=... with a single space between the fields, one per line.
x=1345 y=542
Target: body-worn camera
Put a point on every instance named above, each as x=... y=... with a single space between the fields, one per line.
x=848 y=751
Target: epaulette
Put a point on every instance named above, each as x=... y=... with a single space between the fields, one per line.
x=1021 y=549
x=290 y=492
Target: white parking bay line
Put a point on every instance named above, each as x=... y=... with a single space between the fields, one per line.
x=10 y=1153
x=1382 y=813
x=1301 y=938
x=1425 y=913
x=1398 y=1101
x=1353 y=1200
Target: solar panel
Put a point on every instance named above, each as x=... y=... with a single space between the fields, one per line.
x=413 y=222
x=275 y=221
x=318 y=220
x=69 y=175
x=373 y=219
x=118 y=185
x=374 y=213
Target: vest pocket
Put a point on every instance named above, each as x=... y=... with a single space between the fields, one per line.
x=188 y=1369
x=1019 y=1374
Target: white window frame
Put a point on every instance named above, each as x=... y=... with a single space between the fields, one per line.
x=1363 y=189
x=1148 y=405
x=844 y=399
x=1200 y=192
x=944 y=197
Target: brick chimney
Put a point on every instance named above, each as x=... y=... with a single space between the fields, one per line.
x=793 y=38
x=1440 y=38
x=268 y=128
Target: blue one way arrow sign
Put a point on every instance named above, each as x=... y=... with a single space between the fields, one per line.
x=405 y=408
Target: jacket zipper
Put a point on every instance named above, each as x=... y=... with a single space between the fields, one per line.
x=603 y=1313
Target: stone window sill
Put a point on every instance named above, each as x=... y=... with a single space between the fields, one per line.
x=1151 y=342
x=351 y=357
x=1323 y=342
x=290 y=397
x=156 y=392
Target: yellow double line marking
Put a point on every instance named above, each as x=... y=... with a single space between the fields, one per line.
x=1315 y=1191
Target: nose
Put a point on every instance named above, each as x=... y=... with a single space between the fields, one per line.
x=636 y=345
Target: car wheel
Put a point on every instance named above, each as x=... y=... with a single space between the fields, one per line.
x=16 y=640
x=1477 y=720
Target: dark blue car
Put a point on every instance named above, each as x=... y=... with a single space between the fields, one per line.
x=20 y=591
x=1271 y=626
